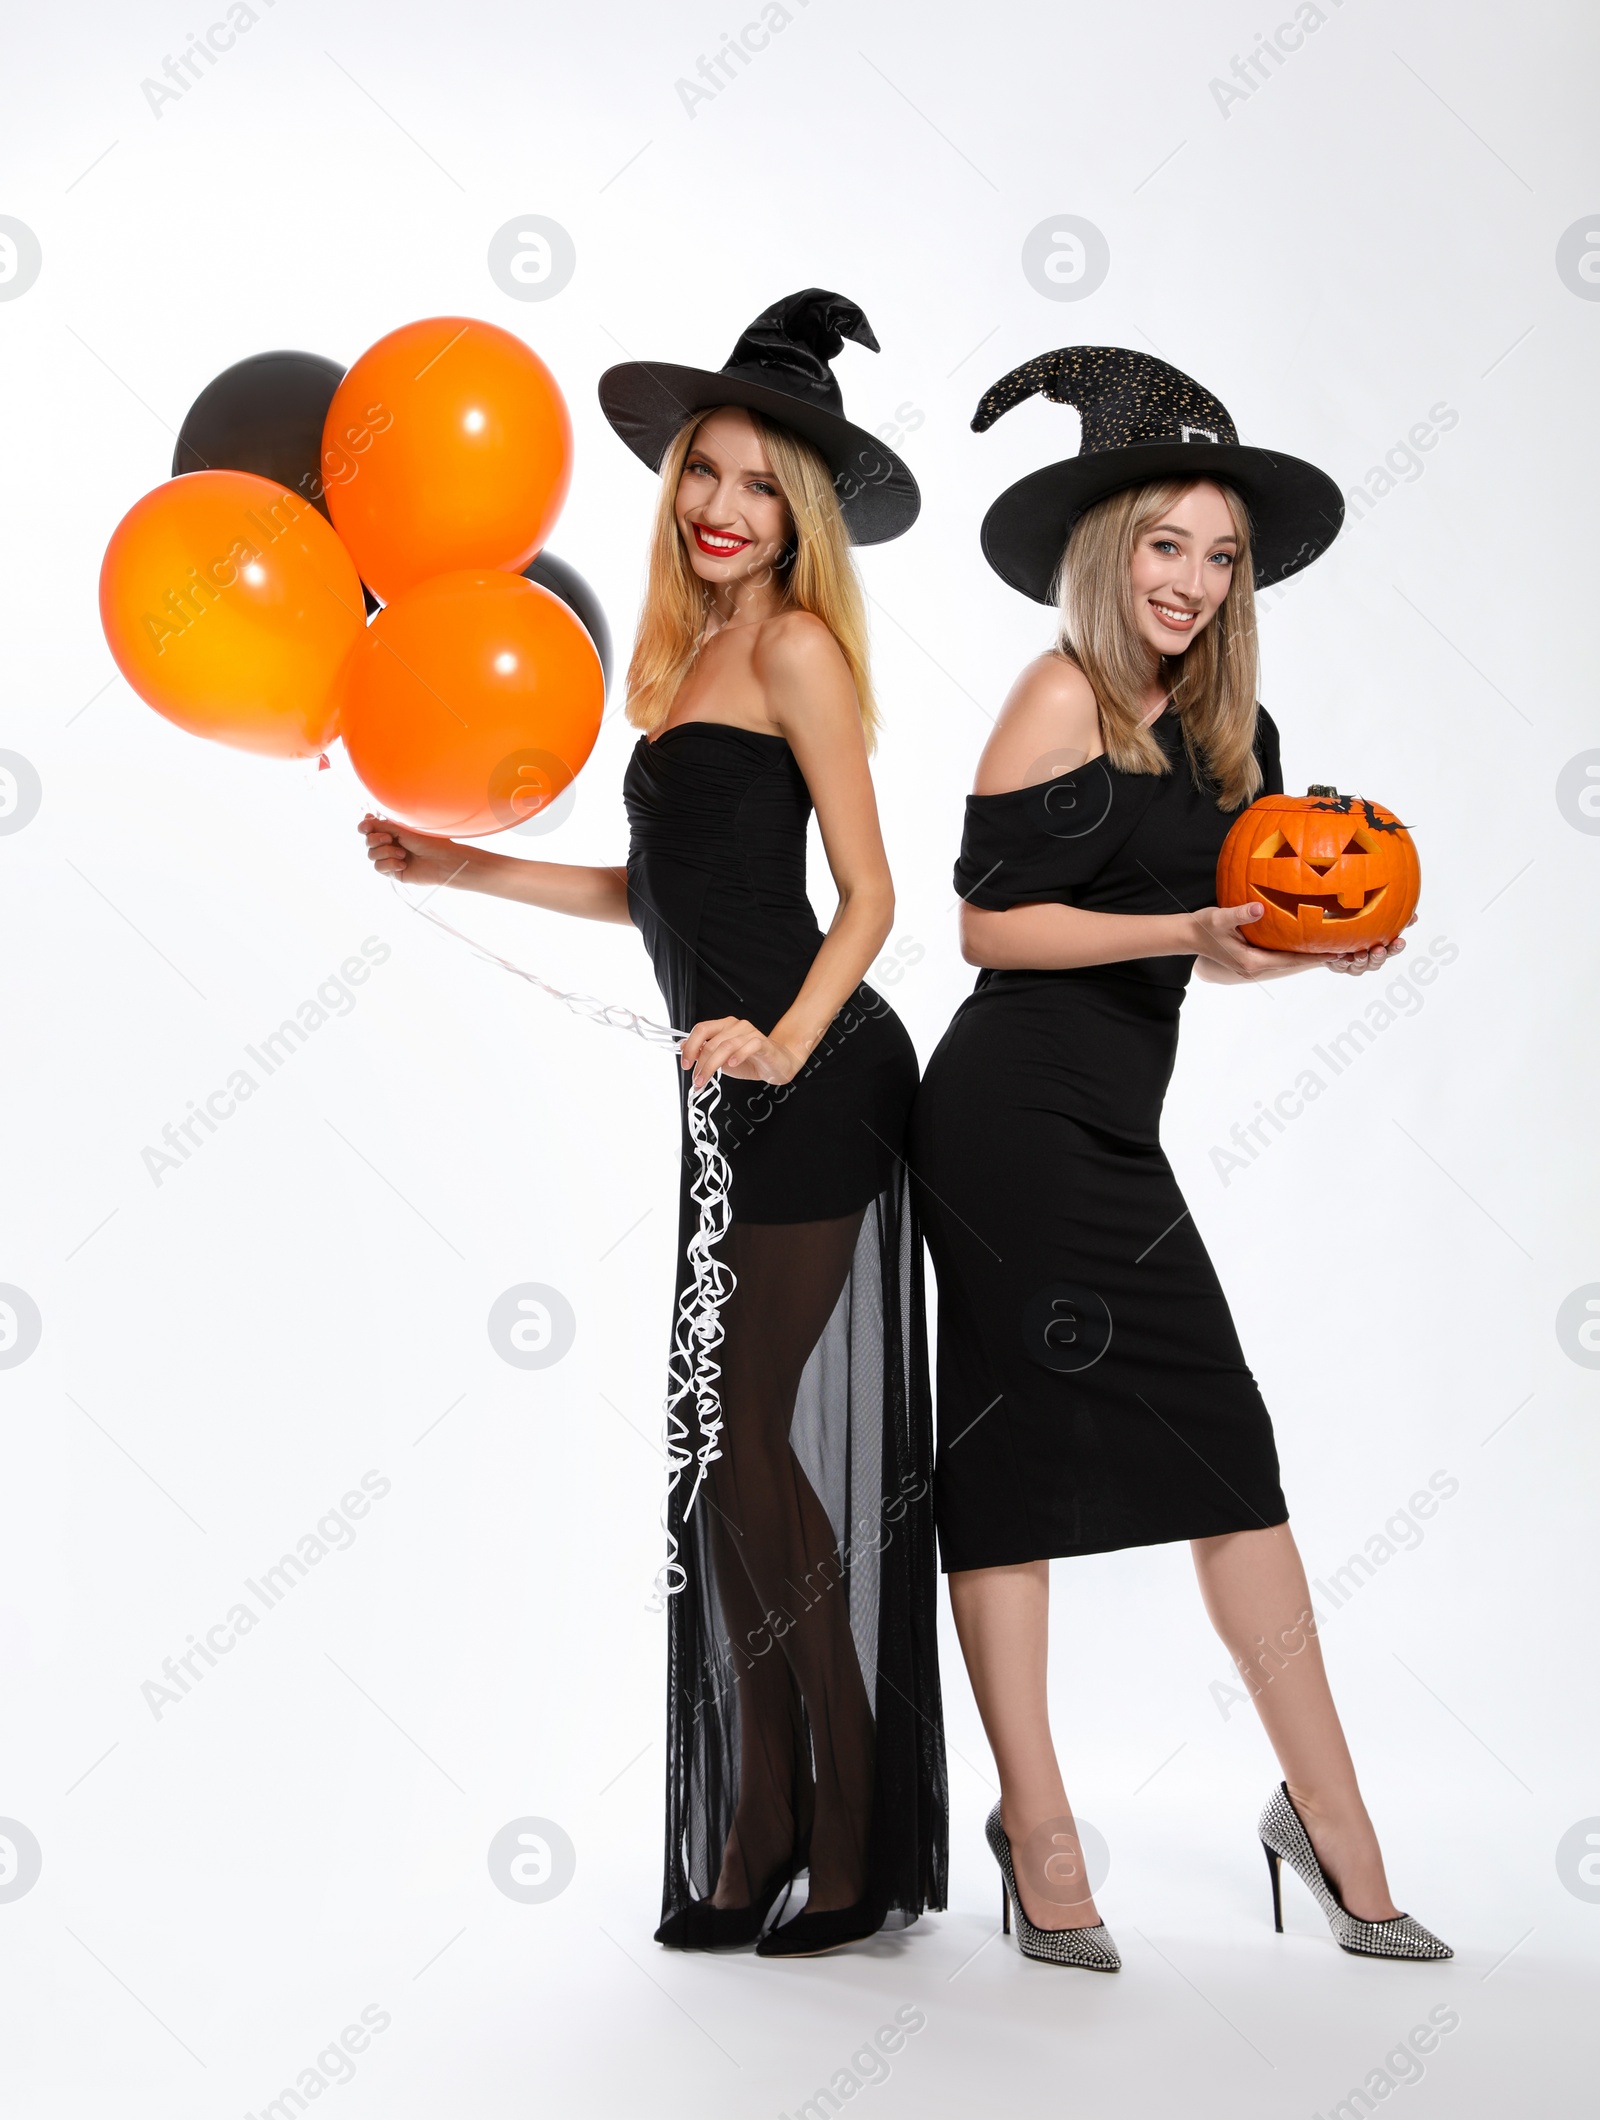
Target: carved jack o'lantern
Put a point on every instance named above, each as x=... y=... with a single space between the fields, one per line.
x=1332 y=872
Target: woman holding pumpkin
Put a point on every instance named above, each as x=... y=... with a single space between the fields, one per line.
x=1092 y=1390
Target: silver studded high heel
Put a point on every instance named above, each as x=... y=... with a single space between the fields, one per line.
x=1285 y=1839
x=1092 y=1949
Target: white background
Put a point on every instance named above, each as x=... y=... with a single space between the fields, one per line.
x=1371 y=233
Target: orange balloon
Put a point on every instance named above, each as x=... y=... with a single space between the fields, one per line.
x=470 y=703
x=447 y=445
x=229 y=606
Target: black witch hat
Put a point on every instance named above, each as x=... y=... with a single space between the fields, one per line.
x=1144 y=420
x=780 y=369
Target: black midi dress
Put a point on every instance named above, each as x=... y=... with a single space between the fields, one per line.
x=802 y=1645
x=1092 y=1392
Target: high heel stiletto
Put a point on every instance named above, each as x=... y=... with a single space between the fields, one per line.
x=701 y=1926
x=1286 y=1840
x=829 y=1929
x=1090 y=1948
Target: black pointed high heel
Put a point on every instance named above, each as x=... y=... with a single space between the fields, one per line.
x=701 y=1926
x=809 y=1935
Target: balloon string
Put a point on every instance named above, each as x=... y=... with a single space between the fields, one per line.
x=692 y=1367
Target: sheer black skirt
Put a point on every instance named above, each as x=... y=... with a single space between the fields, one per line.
x=803 y=1691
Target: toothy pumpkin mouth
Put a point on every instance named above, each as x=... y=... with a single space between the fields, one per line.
x=1332 y=907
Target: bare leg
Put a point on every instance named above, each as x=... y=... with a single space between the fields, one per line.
x=1002 y=1616
x=1255 y=1590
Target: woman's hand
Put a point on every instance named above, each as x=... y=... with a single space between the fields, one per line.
x=729 y=1045
x=1226 y=956
x=1219 y=943
x=412 y=857
x=1373 y=959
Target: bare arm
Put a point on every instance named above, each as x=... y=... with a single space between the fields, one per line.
x=1051 y=938
x=1050 y=725
x=808 y=693
x=556 y=886
x=1059 y=937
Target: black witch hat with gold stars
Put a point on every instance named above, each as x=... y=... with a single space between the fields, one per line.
x=1144 y=420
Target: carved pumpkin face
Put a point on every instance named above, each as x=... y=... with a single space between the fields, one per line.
x=1332 y=872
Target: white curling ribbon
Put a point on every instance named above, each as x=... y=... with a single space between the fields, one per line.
x=692 y=1367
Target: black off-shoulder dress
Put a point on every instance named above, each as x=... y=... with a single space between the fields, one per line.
x=1092 y=1392
x=803 y=1672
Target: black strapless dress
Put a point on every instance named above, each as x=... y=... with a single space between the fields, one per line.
x=803 y=1687
x=1092 y=1390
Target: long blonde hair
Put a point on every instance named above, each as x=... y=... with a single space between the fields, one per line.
x=816 y=572
x=1213 y=686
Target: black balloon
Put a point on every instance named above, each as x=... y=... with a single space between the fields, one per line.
x=265 y=415
x=567 y=583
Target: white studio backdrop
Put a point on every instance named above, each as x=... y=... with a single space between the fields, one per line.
x=1370 y=240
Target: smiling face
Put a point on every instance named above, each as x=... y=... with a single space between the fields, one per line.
x=1182 y=567
x=732 y=517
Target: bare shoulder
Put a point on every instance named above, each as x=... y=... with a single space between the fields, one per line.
x=806 y=686
x=1049 y=724
x=795 y=644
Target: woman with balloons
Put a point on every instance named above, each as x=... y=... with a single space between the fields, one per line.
x=804 y=1727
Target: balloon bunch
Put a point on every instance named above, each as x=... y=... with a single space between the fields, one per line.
x=419 y=486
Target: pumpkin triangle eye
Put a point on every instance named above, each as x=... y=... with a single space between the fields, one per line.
x=1273 y=848
x=1355 y=847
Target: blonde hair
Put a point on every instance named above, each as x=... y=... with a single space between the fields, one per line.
x=815 y=571
x=1213 y=687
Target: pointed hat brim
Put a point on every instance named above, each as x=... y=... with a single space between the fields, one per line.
x=647 y=403
x=1295 y=510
